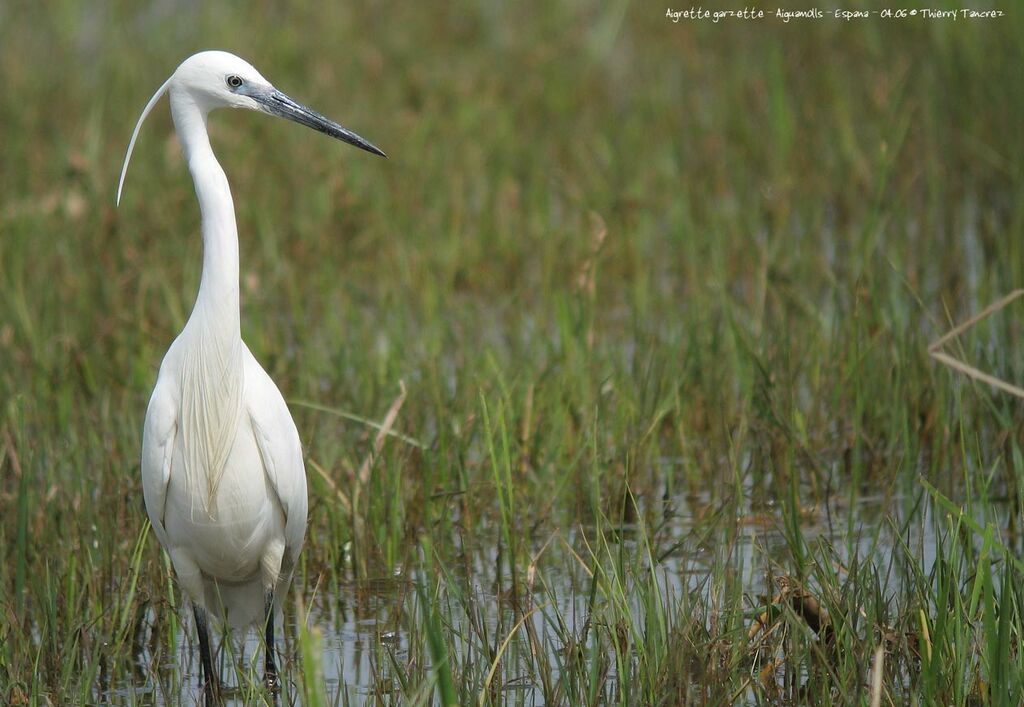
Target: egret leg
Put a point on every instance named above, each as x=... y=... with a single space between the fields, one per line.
x=270 y=675
x=207 y=681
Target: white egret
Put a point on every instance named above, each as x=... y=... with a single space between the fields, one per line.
x=222 y=470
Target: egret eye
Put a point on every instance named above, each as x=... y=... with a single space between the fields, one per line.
x=234 y=81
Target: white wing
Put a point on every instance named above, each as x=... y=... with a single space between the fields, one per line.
x=157 y=451
x=279 y=446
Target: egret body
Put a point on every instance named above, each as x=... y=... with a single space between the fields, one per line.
x=222 y=470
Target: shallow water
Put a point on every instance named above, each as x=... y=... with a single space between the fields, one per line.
x=364 y=624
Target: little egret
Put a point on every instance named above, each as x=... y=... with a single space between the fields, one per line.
x=222 y=471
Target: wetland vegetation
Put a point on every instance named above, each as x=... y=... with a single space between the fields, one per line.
x=613 y=380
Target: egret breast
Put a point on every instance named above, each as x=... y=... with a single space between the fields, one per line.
x=228 y=542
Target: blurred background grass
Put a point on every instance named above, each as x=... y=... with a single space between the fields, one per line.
x=792 y=211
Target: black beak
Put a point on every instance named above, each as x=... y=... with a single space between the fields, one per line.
x=276 y=103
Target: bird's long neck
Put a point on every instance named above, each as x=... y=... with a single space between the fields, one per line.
x=217 y=302
x=212 y=366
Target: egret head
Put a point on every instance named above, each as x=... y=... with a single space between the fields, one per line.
x=215 y=79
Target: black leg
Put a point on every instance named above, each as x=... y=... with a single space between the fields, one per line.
x=207 y=681
x=270 y=676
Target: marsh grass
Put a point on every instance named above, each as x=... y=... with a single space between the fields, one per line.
x=613 y=381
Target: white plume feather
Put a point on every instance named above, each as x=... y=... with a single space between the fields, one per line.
x=131 y=145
